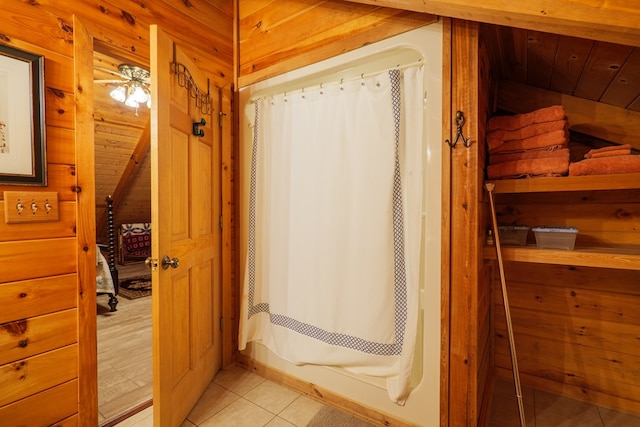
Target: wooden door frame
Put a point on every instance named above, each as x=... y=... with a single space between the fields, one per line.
x=84 y=44
x=445 y=290
x=463 y=397
x=85 y=225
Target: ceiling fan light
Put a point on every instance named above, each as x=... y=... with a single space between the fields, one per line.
x=140 y=95
x=119 y=94
x=131 y=101
x=135 y=89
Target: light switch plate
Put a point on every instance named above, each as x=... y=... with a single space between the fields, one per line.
x=30 y=206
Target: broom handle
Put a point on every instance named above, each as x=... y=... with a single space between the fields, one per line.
x=507 y=312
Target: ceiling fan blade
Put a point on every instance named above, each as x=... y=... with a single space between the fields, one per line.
x=108 y=71
x=110 y=81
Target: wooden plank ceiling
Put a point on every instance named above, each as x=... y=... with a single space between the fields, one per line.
x=598 y=82
x=594 y=70
x=119 y=129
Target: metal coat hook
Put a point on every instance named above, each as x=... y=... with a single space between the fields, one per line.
x=196 y=127
x=459 y=123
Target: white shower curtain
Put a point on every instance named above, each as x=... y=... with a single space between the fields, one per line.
x=335 y=206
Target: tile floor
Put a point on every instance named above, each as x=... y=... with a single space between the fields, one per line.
x=543 y=409
x=240 y=398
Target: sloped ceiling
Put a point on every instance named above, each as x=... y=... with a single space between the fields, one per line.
x=597 y=82
x=118 y=131
x=588 y=69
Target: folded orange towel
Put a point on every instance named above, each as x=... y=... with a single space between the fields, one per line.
x=548 y=166
x=606 y=165
x=547 y=114
x=556 y=138
x=530 y=154
x=612 y=150
x=500 y=136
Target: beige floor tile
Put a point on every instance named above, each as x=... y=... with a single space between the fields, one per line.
x=554 y=419
x=271 y=396
x=213 y=400
x=612 y=418
x=240 y=413
x=300 y=412
x=558 y=411
x=279 y=422
x=505 y=412
x=504 y=406
x=237 y=380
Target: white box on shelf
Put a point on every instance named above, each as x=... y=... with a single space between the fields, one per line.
x=513 y=234
x=555 y=237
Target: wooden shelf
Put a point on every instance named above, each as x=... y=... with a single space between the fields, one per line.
x=625 y=258
x=568 y=183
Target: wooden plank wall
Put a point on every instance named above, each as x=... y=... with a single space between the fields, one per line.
x=571 y=324
x=39 y=267
x=575 y=327
x=276 y=36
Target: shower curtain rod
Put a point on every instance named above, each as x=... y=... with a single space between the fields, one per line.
x=340 y=81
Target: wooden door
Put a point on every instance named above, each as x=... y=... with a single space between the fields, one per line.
x=185 y=212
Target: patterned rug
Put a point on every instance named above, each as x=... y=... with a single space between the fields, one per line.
x=328 y=416
x=136 y=287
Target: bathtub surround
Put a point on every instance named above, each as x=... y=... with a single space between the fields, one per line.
x=335 y=201
x=420 y=49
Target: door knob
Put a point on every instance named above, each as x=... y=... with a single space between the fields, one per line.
x=151 y=263
x=170 y=262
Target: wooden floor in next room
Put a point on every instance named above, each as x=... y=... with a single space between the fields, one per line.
x=124 y=351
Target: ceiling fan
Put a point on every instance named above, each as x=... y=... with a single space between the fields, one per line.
x=133 y=86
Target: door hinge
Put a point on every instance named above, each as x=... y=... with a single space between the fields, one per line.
x=221 y=323
x=220 y=222
x=220 y=117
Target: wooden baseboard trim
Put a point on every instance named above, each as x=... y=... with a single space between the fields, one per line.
x=131 y=412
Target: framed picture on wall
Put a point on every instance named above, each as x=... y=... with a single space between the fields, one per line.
x=22 y=136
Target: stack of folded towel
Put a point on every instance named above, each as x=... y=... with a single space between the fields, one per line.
x=607 y=160
x=528 y=145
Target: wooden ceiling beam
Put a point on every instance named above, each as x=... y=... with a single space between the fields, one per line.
x=130 y=171
x=613 y=21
